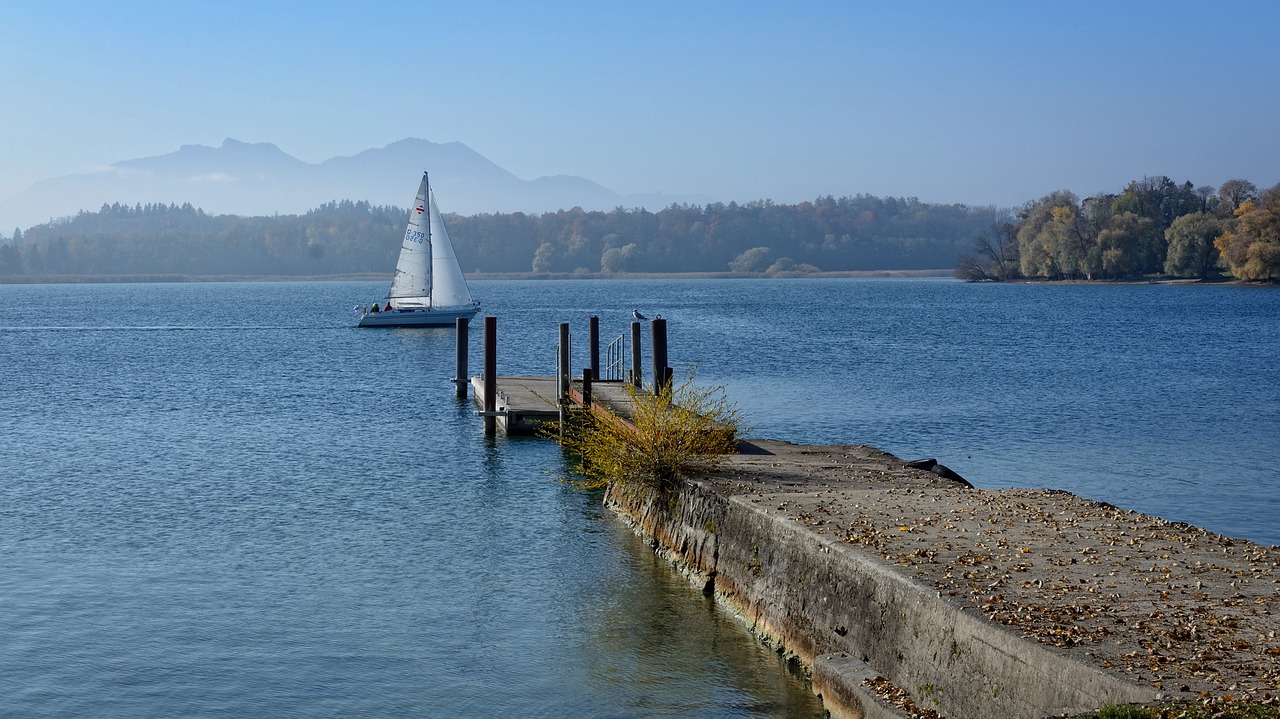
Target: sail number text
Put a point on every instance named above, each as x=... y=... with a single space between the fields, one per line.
x=415 y=236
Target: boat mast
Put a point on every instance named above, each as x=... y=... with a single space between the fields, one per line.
x=431 y=280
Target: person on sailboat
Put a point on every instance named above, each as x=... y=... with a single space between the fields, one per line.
x=374 y=308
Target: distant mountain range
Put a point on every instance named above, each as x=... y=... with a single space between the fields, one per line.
x=240 y=178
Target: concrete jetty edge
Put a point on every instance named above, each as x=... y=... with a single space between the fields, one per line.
x=851 y=618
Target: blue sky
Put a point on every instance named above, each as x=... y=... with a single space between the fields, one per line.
x=973 y=102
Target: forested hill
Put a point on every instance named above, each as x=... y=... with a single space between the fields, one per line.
x=830 y=234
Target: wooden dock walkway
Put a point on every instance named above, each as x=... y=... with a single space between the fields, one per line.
x=523 y=403
x=519 y=404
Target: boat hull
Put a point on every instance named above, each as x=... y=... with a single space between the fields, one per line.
x=444 y=317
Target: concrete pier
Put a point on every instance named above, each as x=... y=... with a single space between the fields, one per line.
x=889 y=582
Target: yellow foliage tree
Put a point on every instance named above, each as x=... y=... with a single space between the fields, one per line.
x=1251 y=249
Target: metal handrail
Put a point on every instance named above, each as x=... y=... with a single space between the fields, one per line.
x=615 y=359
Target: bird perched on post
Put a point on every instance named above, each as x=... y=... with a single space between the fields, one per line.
x=636 y=314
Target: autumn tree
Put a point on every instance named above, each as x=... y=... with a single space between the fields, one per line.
x=1191 y=250
x=1036 y=234
x=1065 y=239
x=1092 y=218
x=618 y=259
x=755 y=259
x=1121 y=243
x=1235 y=193
x=1062 y=237
x=1251 y=249
x=1161 y=200
x=542 y=258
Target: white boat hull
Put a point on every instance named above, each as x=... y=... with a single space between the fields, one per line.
x=443 y=317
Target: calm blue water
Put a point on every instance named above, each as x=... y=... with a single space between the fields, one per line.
x=224 y=500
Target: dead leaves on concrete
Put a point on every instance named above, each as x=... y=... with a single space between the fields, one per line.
x=1167 y=604
x=898 y=697
x=1181 y=609
x=1164 y=603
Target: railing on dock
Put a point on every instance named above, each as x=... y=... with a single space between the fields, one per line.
x=615 y=359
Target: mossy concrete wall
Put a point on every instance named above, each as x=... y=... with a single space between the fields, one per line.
x=850 y=616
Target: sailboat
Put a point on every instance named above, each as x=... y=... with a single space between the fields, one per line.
x=428 y=289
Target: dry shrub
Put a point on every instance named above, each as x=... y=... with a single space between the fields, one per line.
x=672 y=434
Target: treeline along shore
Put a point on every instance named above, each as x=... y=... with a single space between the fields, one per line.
x=1154 y=227
x=851 y=233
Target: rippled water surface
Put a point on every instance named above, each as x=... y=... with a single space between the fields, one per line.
x=226 y=500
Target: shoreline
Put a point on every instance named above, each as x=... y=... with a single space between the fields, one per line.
x=168 y=278
x=484 y=276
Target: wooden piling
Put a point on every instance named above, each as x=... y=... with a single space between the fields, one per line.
x=587 y=376
x=593 y=324
x=562 y=363
x=460 y=373
x=562 y=373
x=490 y=374
x=637 y=359
x=660 y=376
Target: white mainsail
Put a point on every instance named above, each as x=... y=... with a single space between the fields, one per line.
x=411 y=285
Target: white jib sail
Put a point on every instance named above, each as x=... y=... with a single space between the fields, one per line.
x=449 y=287
x=411 y=285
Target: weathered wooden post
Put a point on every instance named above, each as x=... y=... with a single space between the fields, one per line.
x=594 y=327
x=460 y=373
x=660 y=377
x=637 y=359
x=490 y=374
x=562 y=365
x=587 y=376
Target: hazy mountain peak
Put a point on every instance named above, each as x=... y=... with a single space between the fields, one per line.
x=413 y=141
x=232 y=143
x=243 y=178
x=230 y=157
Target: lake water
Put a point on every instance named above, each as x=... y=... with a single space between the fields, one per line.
x=225 y=500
